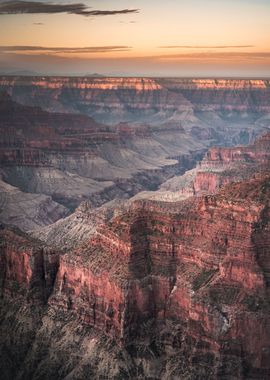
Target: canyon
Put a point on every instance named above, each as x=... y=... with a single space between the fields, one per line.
x=141 y=249
x=71 y=157
x=100 y=139
x=161 y=290
x=220 y=166
x=153 y=100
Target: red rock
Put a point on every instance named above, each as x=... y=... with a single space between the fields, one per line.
x=26 y=268
x=191 y=278
x=170 y=262
x=221 y=166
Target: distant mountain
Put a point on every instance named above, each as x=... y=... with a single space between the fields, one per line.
x=27 y=73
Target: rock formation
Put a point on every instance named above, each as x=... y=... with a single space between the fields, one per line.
x=219 y=167
x=72 y=158
x=113 y=100
x=135 y=283
x=162 y=290
x=158 y=129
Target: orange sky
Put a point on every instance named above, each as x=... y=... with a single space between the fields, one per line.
x=188 y=37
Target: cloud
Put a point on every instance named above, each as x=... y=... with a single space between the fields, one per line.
x=206 y=47
x=38 y=23
x=77 y=54
x=198 y=56
x=61 y=50
x=213 y=56
x=40 y=7
x=127 y=22
x=219 y=64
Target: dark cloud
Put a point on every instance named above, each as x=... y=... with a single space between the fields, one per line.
x=38 y=7
x=206 y=47
x=61 y=50
x=38 y=23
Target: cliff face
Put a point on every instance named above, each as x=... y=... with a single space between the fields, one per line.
x=219 y=167
x=200 y=266
x=127 y=99
x=200 y=234
x=121 y=98
x=164 y=281
x=27 y=269
x=223 y=94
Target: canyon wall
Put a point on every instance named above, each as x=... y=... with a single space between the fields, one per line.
x=162 y=290
x=72 y=158
x=129 y=99
x=54 y=141
x=221 y=166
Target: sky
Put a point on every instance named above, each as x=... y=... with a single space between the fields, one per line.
x=197 y=38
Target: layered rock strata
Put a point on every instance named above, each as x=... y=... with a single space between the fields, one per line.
x=157 y=290
x=71 y=158
x=184 y=284
x=219 y=167
x=128 y=99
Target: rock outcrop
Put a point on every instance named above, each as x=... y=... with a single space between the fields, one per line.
x=162 y=290
x=199 y=265
x=223 y=94
x=219 y=167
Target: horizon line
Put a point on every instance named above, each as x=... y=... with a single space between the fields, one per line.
x=38 y=75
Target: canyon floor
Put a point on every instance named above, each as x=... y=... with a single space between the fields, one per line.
x=134 y=228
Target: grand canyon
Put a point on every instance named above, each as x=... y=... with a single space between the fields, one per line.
x=134 y=235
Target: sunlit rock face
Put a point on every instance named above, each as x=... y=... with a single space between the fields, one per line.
x=137 y=84
x=218 y=84
x=230 y=95
x=184 y=284
x=109 y=100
